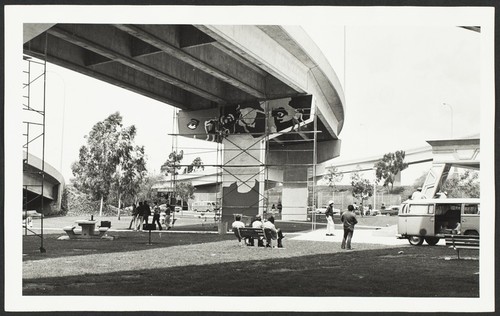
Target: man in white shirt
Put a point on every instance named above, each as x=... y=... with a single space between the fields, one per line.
x=237 y=224
x=275 y=232
x=417 y=194
x=257 y=223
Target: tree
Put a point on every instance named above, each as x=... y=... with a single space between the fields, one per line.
x=390 y=165
x=333 y=176
x=362 y=189
x=132 y=167
x=463 y=185
x=146 y=190
x=109 y=148
x=185 y=190
x=195 y=165
x=172 y=165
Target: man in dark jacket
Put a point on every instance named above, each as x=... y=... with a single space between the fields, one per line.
x=146 y=211
x=140 y=218
x=349 y=220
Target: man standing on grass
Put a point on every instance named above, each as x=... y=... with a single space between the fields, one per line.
x=140 y=217
x=156 y=215
x=168 y=216
x=146 y=211
x=349 y=220
x=134 y=217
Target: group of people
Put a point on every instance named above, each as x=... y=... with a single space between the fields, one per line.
x=276 y=233
x=142 y=212
x=419 y=195
x=348 y=219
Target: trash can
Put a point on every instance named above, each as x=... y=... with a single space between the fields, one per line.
x=222 y=228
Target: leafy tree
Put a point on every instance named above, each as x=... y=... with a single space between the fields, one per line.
x=172 y=165
x=130 y=172
x=390 y=165
x=362 y=189
x=109 y=149
x=185 y=191
x=333 y=176
x=195 y=165
x=463 y=185
x=146 y=190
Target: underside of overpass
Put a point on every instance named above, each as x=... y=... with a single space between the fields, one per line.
x=208 y=71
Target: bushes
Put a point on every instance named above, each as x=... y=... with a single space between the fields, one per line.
x=79 y=204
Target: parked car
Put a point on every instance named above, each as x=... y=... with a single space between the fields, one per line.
x=320 y=214
x=322 y=210
x=374 y=212
x=390 y=211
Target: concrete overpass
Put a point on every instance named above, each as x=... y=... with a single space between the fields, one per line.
x=412 y=156
x=53 y=185
x=213 y=70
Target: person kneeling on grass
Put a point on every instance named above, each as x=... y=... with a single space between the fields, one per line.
x=276 y=233
x=237 y=224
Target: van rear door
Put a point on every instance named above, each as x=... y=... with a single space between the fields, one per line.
x=402 y=218
x=420 y=220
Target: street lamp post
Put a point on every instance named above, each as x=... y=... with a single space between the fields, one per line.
x=451 y=112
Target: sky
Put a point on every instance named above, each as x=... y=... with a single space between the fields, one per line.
x=395 y=81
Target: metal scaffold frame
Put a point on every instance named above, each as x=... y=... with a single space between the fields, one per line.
x=263 y=163
x=34 y=108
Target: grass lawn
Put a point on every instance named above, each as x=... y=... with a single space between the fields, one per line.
x=181 y=264
x=188 y=222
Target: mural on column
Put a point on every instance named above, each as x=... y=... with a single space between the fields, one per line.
x=241 y=127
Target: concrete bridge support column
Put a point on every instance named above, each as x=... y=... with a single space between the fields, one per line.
x=296 y=160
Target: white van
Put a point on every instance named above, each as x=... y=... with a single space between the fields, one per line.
x=431 y=219
x=203 y=206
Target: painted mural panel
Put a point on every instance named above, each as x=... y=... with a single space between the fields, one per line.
x=249 y=118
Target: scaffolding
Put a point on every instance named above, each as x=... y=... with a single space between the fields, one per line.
x=34 y=87
x=268 y=142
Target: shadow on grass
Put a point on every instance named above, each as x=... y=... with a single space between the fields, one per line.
x=125 y=241
x=417 y=272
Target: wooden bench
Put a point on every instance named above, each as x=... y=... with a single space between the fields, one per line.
x=458 y=242
x=243 y=233
x=103 y=231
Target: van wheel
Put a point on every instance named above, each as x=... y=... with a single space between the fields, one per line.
x=431 y=241
x=415 y=240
